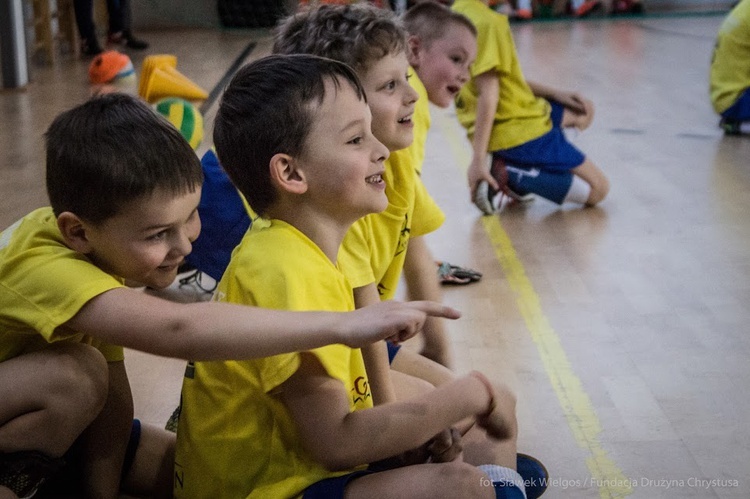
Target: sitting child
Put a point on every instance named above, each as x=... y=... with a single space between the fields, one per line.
x=730 y=71
x=123 y=187
x=380 y=247
x=521 y=124
x=293 y=133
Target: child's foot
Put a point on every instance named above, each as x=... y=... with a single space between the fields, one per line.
x=25 y=471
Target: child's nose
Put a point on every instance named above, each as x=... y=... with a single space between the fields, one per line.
x=411 y=95
x=381 y=152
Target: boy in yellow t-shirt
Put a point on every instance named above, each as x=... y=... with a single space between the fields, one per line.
x=730 y=71
x=294 y=134
x=381 y=246
x=521 y=124
x=123 y=187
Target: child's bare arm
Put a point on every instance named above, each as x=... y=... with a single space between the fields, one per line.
x=340 y=440
x=211 y=331
x=422 y=284
x=488 y=87
x=570 y=100
x=375 y=355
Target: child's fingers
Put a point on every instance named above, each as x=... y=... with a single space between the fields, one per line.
x=434 y=309
x=577 y=104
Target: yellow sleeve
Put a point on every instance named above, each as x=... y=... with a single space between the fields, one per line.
x=428 y=217
x=356 y=253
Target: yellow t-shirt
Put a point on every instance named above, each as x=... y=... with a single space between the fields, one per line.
x=422 y=121
x=43 y=284
x=236 y=439
x=374 y=249
x=730 y=67
x=520 y=115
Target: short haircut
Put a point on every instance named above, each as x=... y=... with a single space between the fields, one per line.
x=429 y=21
x=112 y=150
x=358 y=35
x=269 y=108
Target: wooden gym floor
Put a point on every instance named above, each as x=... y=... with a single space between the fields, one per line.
x=623 y=328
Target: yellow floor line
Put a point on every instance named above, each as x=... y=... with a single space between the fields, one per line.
x=575 y=403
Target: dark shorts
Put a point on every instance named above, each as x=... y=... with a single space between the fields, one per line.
x=740 y=110
x=551 y=151
x=332 y=488
x=392 y=351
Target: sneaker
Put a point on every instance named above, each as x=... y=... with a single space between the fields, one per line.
x=24 y=472
x=534 y=473
x=483 y=198
x=587 y=8
x=731 y=127
x=499 y=172
x=90 y=47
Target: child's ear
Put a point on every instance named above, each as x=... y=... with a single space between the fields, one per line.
x=73 y=231
x=286 y=175
x=415 y=45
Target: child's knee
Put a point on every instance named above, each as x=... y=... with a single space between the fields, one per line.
x=466 y=480
x=77 y=390
x=81 y=375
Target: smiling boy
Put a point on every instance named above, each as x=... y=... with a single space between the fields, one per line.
x=293 y=133
x=376 y=248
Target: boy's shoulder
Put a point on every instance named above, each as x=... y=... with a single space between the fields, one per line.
x=34 y=246
x=277 y=266
x=37 y=232
x=43 y=283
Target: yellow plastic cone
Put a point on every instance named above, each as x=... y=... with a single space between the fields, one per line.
x=149 y=64
x=168 y=82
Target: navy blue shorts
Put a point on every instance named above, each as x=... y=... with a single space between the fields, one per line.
x=392 y=351
x=551 y=151
x=332 y=488
x=740 y=110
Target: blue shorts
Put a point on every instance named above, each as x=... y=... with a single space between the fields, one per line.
x=740 y=110
x=332 y=488
x=551 y=151
x=392 y=351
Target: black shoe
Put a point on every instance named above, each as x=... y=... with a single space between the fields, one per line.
x=126 y=38
x=90 y=47
x=133 y=42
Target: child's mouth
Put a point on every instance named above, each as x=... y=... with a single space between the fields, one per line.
x=405 y=119
x=376 y=179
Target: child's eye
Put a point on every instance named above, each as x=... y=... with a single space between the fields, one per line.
x=356 y=140
x=409 y=75
x=158 y=236
x=390 y=85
